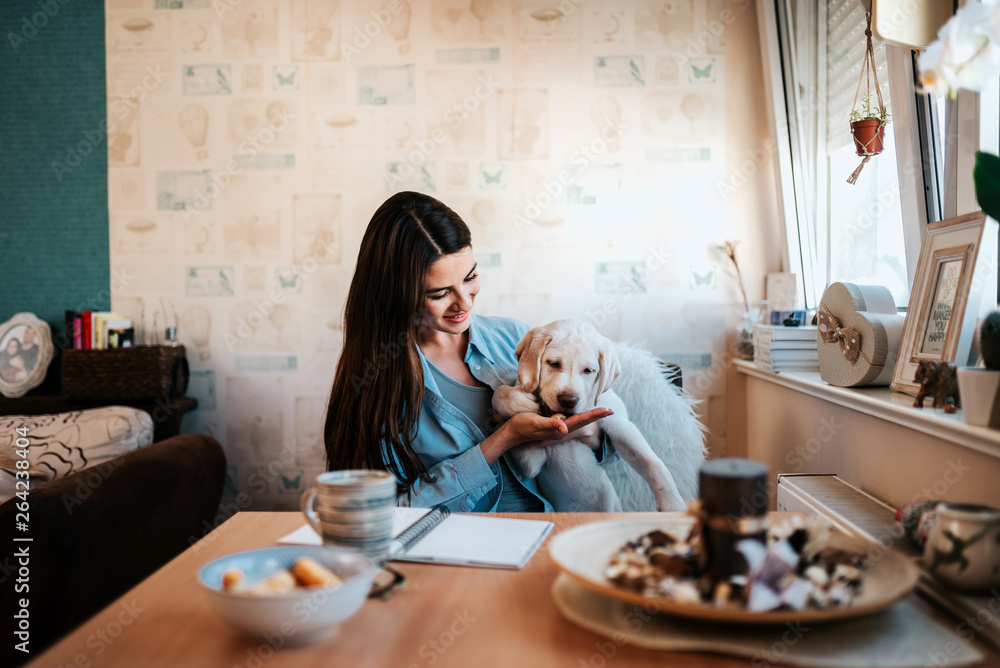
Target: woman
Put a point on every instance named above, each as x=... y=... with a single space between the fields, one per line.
x=12 y=367
x=413 y=387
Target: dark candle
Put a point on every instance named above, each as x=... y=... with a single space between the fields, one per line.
x=734 y=501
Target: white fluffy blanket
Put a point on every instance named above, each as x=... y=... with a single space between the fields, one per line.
x=665 y=416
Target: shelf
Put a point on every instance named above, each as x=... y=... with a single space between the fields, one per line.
x=885 y=404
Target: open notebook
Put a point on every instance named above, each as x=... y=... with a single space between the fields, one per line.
x=464 y=540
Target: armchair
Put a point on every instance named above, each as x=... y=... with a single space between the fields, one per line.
x=99 y=531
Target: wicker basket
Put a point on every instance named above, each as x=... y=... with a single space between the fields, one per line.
x=147 y=372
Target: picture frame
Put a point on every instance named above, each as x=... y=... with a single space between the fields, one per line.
x=25 y=354
x=945 y=298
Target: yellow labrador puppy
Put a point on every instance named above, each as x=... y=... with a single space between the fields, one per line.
x=568 y=367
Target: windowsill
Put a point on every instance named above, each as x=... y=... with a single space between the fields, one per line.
x=883 y=403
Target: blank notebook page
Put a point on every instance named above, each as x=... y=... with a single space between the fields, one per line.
x=466 y=540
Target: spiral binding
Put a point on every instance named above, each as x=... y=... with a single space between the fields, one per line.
x=416 y=531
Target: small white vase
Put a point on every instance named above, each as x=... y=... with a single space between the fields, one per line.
x=978 y=389
x=960 y=565
x=744 y=330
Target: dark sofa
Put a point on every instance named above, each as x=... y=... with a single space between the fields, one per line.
x=100 y=531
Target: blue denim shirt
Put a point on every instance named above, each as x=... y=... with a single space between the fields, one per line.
x=448 y=442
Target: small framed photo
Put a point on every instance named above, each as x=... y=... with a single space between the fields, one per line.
x=937 y=325
x=25 y=354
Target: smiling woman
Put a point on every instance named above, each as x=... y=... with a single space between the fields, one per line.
x=25 y=354
x=413 y=386
x=452 y=303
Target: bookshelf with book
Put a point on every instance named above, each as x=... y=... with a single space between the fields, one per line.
x=98 y=330
x=104 y=363
x=782 y=333
x=789 y=354
x=778 y=367
x=779 y=348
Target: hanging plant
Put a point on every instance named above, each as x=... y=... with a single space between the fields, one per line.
x=868 y=120
x=868 y=127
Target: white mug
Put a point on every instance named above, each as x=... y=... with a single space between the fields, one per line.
x=352 y=509
x=952 y=558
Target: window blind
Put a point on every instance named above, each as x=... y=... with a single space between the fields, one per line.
x=845 y=39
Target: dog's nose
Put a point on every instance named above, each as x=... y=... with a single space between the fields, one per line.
x=567 y=400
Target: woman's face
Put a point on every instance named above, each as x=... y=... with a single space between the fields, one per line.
x=450 y=288
x=12 y=347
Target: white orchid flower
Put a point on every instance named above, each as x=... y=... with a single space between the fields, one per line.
x=966 y=53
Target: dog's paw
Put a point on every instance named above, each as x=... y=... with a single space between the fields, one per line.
x=531 y=459
x=509 y=401
x=670 y=503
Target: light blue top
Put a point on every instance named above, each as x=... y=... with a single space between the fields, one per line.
x=448 y=442
x=477 y=403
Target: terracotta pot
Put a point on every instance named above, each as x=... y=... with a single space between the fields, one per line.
x=868 y=136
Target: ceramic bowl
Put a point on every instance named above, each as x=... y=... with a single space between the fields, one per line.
x=302 y=616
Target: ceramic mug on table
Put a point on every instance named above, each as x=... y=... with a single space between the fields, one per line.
x=963 y=548
x=353 y=509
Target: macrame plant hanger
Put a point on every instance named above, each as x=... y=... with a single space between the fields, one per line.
x=868 y=72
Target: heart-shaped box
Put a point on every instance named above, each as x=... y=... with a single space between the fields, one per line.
x=870 y=311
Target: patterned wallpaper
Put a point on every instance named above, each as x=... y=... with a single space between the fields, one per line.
x=249 y=142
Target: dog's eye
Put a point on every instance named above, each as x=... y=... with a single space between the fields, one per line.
x=588 y=371
x=553 y=363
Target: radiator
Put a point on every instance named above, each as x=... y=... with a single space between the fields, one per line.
x=857 y=513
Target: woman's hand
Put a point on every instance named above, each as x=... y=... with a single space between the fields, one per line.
x=589 y=433
x=533 y=428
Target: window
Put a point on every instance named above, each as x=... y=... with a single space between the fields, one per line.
x=869 y=232
x=855 y=232
x=932 y=114
x=866 y=222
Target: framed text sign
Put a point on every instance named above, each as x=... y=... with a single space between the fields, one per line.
x=942 y=285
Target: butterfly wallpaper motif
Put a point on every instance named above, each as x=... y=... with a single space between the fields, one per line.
x=588 y=145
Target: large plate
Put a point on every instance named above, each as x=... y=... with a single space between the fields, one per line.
x=583 y=553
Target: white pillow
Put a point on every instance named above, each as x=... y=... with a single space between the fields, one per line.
x=64 y=443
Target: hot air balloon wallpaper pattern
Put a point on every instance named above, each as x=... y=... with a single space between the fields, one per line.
x=193 y=119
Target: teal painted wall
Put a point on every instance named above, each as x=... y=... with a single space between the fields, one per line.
x=53 y=220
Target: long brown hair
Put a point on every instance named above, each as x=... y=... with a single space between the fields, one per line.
x=378 y=388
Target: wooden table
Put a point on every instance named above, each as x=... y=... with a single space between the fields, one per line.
x=446 y=616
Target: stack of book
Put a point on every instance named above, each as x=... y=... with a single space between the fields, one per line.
x=777 y=348
x=97 y=330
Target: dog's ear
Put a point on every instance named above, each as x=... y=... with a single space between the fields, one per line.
x=610 y=366
x=529 y=354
